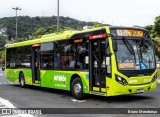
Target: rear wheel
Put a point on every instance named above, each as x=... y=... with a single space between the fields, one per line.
x=22 y=80
x=77 y=88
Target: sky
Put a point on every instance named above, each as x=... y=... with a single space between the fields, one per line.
x=114 y=12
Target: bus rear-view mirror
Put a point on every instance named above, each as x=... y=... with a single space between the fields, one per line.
x=114 y=43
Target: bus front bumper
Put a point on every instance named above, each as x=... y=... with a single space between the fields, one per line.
x=132 y=89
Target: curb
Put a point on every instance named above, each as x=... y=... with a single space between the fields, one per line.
x=158 y=81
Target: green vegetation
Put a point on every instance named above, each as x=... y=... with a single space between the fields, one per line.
x=28 y=25
x=3 y=40
x=155 y=34
x=154 y=29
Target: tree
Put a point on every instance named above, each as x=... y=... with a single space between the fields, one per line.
x=149 y=28
x=27 y=25
x=3 y=41
x=157 y=26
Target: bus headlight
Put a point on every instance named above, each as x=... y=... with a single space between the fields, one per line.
x=121 y=80
x=154 y=78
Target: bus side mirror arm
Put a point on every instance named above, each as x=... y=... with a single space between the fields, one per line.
x=114 y=42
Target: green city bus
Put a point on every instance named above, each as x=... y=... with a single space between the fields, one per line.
x=105 y=61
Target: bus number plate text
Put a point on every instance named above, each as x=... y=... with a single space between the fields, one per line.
x=140 y=90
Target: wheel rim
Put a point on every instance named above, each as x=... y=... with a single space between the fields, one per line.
x=77 y=88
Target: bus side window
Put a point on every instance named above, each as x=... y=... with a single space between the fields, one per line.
x=47 y=55
x=81 y=53
x=57 y=60
x=58 y=54
x=72 y=62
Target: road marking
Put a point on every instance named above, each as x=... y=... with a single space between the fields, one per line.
x=10 y=83
x=7 y=104
x=74 y=100
x=1 y=74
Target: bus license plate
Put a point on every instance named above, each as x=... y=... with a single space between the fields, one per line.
x=140 y=90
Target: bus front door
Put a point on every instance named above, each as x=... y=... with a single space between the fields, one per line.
x=97 y=66
x=36 y=65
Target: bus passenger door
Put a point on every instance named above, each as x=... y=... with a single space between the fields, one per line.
x=97 y=66
x=36 y=64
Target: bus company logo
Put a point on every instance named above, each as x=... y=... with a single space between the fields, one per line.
x=59 y=78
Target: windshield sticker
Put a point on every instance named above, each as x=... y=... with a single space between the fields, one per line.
x=143 y=65
x=129 y=65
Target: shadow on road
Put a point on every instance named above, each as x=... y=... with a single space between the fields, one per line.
x=114 y=99
x=122 y=98
x=63 y=93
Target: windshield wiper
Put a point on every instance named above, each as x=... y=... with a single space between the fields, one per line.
x=129 y=47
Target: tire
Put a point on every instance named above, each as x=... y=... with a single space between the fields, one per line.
x=3 y=69
x=22 y=80
x=77 y=88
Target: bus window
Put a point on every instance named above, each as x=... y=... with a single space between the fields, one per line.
x=64 y=55
x=23 y=58
x=57 y=60
x=11 y=57
x=47 y=60
x=81 y=53
x=47 y=55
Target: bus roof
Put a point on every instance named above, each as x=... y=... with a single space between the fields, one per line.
x=68 y=35
x=53 y=37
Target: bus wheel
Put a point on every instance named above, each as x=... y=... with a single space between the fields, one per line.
x=77 y=88
x=21 y=80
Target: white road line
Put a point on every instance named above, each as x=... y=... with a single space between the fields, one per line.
x=74 y=100
x=5 y=83
x=9 y=105
x=6 y=103
x=1 y=74
x=10 y=83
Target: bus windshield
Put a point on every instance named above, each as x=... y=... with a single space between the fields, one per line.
x=135 y=54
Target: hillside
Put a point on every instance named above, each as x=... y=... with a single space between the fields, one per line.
x=28 y=25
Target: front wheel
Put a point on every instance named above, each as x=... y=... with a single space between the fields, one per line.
x=22 y=80
x=3 y=69
x=77 y=88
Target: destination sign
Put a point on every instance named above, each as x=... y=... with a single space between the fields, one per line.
x=78 y=40
x=131 y=33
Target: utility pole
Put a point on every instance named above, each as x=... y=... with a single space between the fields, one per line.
x=16 y=8
x=57 y=15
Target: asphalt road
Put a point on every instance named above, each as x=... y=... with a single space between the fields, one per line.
x=36 y=97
